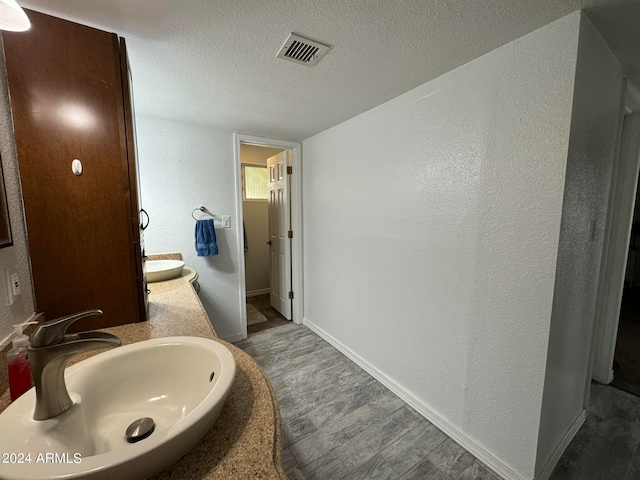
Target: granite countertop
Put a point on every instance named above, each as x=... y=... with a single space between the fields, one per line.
x=245 y=440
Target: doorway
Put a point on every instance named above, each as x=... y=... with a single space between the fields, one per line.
x=266 y=307
x=626 y=365
x=268 y=202
x=617 y=317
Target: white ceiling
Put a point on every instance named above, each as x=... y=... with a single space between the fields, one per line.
x=213 y=61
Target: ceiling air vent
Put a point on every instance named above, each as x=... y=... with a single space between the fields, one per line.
x=302 y=50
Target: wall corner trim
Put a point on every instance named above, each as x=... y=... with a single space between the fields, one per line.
x=460 y=437
x=552 y=460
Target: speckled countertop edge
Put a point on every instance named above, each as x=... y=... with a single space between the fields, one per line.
x=245 y=440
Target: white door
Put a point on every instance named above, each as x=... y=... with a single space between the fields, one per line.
x=279 y=226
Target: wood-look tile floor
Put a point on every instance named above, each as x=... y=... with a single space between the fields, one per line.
x=338 y=422
x=607 y=447
x=274 y=319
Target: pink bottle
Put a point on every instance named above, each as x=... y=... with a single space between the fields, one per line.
x=20 y=379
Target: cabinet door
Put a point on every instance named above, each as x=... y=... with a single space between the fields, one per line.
x=66 y=95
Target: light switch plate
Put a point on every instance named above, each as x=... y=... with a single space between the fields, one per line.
x=226 y=221
x=13 y=284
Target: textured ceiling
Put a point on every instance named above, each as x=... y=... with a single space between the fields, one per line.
x=213 y=61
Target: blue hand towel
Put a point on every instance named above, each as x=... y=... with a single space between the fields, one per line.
x=206 y=238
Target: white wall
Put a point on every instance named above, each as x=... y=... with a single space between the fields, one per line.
x=431 y=227
x=594 y=125
x=18 y=254
x=184 y=166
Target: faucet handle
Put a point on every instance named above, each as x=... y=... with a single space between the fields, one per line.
x=53 y=331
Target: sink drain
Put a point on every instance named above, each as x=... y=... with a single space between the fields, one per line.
x=140 y=429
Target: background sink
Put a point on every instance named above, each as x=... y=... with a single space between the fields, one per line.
x=160 y=270
x=180 y=382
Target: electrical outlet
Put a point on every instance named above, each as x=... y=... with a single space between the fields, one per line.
x=15 y=284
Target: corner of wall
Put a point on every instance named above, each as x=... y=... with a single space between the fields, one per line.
x=590 y=157
x=18 y=254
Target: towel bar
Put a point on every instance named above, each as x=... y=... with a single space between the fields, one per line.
x=202 y=209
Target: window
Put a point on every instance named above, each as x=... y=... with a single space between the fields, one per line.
x=255 y=183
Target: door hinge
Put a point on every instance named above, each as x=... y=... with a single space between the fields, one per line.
x=289 y=170
x=290 y=295
x=290 y=234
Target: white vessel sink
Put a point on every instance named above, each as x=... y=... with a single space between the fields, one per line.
x=179 y=382
x=161 y=270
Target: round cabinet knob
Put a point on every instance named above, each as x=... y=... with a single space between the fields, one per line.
x=76 y=167
x=269 y=242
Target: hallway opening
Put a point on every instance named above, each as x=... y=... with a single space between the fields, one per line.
x=268 y=201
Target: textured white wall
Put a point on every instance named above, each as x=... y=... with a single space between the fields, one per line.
x=431 y=228
x=18 y=254
x=184 y=166
x=594 y=124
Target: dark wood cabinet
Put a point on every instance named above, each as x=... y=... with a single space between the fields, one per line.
x=71 y=99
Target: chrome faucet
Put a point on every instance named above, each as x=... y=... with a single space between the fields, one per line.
x=49 y=351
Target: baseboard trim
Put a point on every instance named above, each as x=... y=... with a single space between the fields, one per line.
x=255 y=293
x=552 y=460
x=461 y=438
x=233 y=338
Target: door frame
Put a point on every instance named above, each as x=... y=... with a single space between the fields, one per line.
x=609 y=299
x=295 y=200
